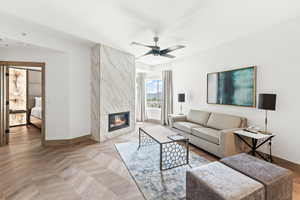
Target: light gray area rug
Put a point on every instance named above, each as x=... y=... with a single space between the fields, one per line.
x=143 y=165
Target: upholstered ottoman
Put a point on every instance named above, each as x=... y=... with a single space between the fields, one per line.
x=216 y=181
x=277 y=180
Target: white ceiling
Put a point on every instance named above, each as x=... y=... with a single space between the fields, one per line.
x=9 y=43
x=6 y=43
x=198 y=24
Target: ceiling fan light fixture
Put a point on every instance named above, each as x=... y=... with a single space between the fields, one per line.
x=155 y=50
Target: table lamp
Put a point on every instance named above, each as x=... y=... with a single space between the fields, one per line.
x=181 y=99
x=267 y=102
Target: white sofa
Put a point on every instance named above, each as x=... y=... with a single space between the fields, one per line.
x=212 y=132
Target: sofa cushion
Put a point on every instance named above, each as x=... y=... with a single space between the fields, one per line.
x=186 y=126
x=223 y=121
x=198 y=116
x=208 y=134
x=277 y=180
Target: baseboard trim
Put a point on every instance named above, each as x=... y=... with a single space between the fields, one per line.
x=287 y=164
x=67 y=141
x=284 y=163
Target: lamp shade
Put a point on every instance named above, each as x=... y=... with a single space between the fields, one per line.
x=181 y=97
x=267 y=101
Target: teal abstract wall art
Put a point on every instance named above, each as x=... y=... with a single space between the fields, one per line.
x=235 y=87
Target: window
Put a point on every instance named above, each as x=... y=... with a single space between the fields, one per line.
x=154 y=98
x=154 y=93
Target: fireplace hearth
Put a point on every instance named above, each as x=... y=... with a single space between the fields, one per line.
x=118 y=120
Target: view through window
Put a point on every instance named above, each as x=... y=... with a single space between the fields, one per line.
x=154 y=99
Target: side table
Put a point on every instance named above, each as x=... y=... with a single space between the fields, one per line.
x=255 y=138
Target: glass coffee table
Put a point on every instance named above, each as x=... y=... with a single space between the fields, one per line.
x=174 y=148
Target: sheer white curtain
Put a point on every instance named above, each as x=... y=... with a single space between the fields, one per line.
x=167 y=104
x=141 y=97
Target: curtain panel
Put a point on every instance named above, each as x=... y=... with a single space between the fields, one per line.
x=141 y=97
x=167 y=104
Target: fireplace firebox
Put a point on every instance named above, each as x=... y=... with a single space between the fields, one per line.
x=118 y=120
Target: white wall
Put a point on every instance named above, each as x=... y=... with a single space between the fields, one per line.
x=34 y=86
x=67 y=74
x=67 y=89
x=79 y=73
x=276 y=54
x=57 y=91
x=34 y=83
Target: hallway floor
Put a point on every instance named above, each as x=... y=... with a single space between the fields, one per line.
x=24 y=135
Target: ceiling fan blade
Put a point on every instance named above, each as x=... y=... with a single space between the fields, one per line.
x=144 y=45
x=168 y=55
x=165 y=51
x=146 y=54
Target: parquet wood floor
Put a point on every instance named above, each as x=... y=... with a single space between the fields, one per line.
x=84 y=171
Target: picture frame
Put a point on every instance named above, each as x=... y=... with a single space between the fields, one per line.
x=236 y=87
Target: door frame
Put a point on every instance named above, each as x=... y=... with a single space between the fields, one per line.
x=4 y=138
x=42 y=65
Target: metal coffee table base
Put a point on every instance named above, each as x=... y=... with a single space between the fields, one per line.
x=173 y=154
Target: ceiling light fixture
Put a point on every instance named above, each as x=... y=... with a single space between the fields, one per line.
x=156 y=51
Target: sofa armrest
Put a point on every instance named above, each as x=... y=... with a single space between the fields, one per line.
x=176 y=118
x=230 y=144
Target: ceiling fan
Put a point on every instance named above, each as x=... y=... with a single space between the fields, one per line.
x=155 y=50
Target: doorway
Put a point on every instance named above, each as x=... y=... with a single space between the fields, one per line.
x=22 y=89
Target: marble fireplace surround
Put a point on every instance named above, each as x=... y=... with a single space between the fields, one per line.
x=112 y=89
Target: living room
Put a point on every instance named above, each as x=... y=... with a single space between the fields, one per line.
x=162 y=101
